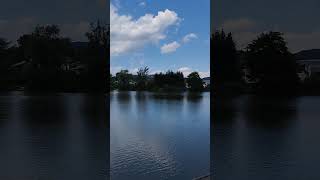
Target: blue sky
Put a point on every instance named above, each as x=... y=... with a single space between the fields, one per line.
x=162 y=35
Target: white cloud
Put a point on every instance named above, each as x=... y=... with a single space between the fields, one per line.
x=128 y=34
x=169 y=48
x=115 y=69
x=189 y=37
x=186 y=71
x=204 y=74
x=241 y=24
x=142 y=4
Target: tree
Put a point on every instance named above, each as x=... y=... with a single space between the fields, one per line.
x=112 y=81
x=46 y=50
x=170 y=81
x=194 y=82
x=225 y=67
x=124 y=80
x=269 y=61
x=98 y=57
x=3 y=44
x=142 y=78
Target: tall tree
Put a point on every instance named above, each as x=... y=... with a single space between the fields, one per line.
x=124 y=79
x=98 y=60
x=269 y=61
x=224 y=64
x=46 y=50
x=195 y=82
x=142 y=78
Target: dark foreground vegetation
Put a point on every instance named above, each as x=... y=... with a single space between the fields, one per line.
x=45 y=61
x=160 y=82
x=265 y=66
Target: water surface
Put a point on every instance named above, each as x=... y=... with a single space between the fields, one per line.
x=53 y=137
x=158 y=137
x=265 y=138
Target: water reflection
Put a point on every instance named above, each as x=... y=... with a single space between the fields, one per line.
x=254 y=137
x=270 y=112
x=54 y=136
x=153 y=136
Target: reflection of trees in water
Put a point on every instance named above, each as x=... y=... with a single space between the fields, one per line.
x=123 y=96
x=194 y=97
x=168 y=96
x=223 y=114
x=223 y=109
x=6 y=109
x=270 y=111
x=43 y=109
x=95 y=109
x=194 y=102
x=141 y=100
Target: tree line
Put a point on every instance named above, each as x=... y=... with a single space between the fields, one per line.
x=160 y=82
x=44 y=60
x=265 y=65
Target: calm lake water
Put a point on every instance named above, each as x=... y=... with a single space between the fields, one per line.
x=266 y=138
x=156 y=137
x=53 y=137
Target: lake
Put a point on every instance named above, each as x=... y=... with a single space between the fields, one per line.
x=158 y=137
x=53 y=137
x=265 y=138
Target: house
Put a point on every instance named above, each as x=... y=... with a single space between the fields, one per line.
x=309 y=68
x=206 y=81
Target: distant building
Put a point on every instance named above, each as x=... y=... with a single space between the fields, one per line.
x=309 y=68
x=206 y=81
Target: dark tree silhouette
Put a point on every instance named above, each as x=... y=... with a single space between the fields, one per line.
x=4 y=44
x=170 y=81
x=270 y=63
x=45 y=50
x=194 y=82
x=142 y=78
x=124 y=79
x=98 y=57
x=224 y=64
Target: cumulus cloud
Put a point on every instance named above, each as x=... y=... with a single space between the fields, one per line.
x=142 y=4
x=242 y=24
x=128 y=34
x=189 y=37
x=115 y=69
x=169 y=48
x=187 y=70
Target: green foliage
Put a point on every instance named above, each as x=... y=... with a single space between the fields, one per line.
x=194 y=82
x=224 y=62
x=3 y=44
x=170 y=81
x=97 y=57
x=142 y=79
x=269 y=61
x=124 y=80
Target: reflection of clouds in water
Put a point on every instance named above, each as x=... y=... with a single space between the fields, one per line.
x=150 y=136
x=132 y=147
